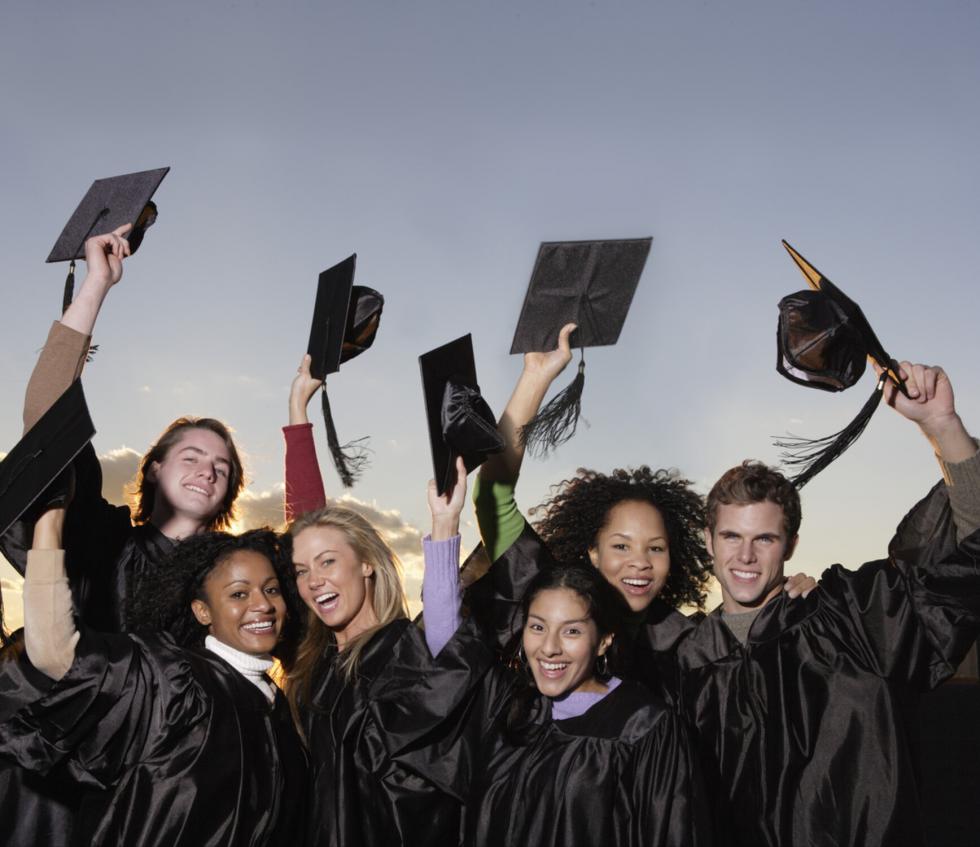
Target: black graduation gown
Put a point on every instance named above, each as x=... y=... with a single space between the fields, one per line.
x=621 y=774
x=362 y=794
x=105 y=555
x=803 y=732
x=171 y=747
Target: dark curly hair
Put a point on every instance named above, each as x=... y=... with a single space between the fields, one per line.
x=162 y=598
x=579 y=508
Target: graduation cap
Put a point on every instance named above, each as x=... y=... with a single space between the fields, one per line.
x=824 y=341
x=345 y=323
x=460 y=421
x=107 y=205
x=46 y=449
x=591 y=284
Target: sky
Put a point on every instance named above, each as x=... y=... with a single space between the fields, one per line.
x=442 y=142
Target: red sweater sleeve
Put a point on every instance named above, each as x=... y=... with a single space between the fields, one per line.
x=304 y=485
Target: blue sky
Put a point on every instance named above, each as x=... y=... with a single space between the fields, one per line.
x=442 y=142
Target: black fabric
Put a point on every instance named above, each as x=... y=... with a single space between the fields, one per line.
x=803 y=733
x=171 y=747
x=105 y=555
x=361 y=793
x=469 y=427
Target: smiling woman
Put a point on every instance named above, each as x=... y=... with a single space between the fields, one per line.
x=210 y=619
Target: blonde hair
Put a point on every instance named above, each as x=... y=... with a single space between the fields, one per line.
x=388 y=600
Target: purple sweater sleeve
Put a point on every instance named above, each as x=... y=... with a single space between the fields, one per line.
x=440 y=591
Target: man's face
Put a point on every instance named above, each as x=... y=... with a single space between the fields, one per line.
x=193 y=477
x=749 y=546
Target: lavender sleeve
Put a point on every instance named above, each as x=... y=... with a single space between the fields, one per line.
x=441 y=598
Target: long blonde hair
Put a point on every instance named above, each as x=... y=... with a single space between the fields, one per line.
x=388 y=600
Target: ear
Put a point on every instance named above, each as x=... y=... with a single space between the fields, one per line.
x=367 y=569
x=709 y=542
x=151 y=472
x=605 y=643
x=594 y=556
x=202 y=612
x=791 y=547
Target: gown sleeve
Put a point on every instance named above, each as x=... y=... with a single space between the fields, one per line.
x=915 y=615
x=304 y=484
x=107 y=712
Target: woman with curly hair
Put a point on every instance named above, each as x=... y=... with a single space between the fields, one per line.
x=175 y=735
x=643 y=529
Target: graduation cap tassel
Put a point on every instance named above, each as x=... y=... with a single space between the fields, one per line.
x=556 y=422
x=69 y=287
x=812 y=456
x=351 y=459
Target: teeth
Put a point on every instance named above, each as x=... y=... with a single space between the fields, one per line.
x=326 y=598
x=745 y=574
x=554 y=666
x=640 y=583
x=259 y=626
x=196 y=488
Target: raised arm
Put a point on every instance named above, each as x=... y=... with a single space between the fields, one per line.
x=440 y=583
x=497 y=514
x=50 y=636
x=304 y=484
x=932 y=406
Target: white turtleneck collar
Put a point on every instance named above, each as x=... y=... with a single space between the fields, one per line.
x=253 y=668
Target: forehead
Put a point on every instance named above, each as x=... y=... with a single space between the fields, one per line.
x=242 y=565
x=636 y=517
x=755 y=518
x=315 y=539
x=203 y=440
x=558 y=604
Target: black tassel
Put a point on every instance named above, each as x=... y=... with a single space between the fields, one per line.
x=557 y=421
x=351 y=459
x=69 y=287
x=813 y=455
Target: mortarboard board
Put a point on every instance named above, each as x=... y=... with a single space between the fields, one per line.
x=824 y=341
x=107 y=205
x=345 y=323
x=46 y=449
x=460 y=421
x=591 y=284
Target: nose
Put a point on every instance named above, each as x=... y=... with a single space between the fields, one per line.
x=746 y=552
x=552 y=644
x=208 y=471
x=261 y=602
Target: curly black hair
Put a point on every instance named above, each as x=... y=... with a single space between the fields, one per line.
x=579 y=508
x=162 y=598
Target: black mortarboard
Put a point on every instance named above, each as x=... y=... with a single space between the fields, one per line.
x=108 y=204
x=460 y=421
x=46 y=449
x=345 y=322
x=824 y=341
x=591 y=284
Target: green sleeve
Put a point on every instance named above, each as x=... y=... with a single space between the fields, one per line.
x=497 y=515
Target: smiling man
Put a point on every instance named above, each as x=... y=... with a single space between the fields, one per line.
x=799 y=704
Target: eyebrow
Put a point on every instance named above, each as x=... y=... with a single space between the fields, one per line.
x=630 y=536
x=563 y=623
x=200 y=452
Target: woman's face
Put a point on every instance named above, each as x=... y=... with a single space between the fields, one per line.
x=632 y=553
x=562 y=643
x=243 y=606
x=333 y=580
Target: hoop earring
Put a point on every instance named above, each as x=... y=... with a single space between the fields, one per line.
x=602 y=666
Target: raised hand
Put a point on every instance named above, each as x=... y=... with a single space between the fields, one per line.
x=104 y=256
x=447 y=508
x=549 y=365
x=301 y=391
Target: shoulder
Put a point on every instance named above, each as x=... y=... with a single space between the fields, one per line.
x=629 y=713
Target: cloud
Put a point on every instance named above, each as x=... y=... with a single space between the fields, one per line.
x=259 y=508
x=119 y=469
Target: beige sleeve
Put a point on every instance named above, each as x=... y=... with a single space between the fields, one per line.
x=49 y=619
x=59 y=365
x=963 y=484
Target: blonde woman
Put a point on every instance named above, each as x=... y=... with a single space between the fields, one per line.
x=360 y=660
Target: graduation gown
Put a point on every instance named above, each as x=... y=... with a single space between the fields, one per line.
x=803 y=733
x=105 y=555
x=400 y=699
x=169 y=746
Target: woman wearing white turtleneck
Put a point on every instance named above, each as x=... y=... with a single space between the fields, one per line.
x=180 y=731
